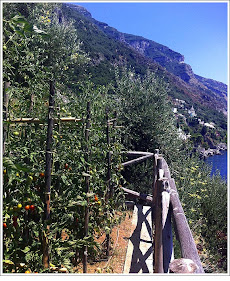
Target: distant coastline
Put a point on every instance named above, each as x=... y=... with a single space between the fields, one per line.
x=205 y=153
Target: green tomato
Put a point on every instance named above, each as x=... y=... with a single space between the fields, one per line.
x=16 y=133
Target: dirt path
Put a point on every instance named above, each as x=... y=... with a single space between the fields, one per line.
x=120 y=238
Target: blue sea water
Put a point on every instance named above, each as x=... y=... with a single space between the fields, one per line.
x=218 y=163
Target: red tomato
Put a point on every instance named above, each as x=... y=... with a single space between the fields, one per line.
x=32 y=207
x=95 y=198
x=42 y=175
x=27 y=207
x=66 y=166
x=4 y=225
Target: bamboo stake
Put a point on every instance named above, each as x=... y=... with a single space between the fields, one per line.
x=85 y=253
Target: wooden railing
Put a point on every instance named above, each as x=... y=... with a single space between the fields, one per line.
x=167 y=210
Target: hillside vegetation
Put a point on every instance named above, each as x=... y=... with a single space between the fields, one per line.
x=41 y=49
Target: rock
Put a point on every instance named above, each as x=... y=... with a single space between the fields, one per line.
x=182 y=266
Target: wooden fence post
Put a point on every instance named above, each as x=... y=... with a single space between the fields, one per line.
x=86 y=227
x=167 y=236
x=48 y=169
x=158 y=247
x=154 y=181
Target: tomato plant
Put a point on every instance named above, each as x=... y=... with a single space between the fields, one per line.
x=25 y=227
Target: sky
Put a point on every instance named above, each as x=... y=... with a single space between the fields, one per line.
x=196 y=30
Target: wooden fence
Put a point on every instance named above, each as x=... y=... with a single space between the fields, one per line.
x=167 y=212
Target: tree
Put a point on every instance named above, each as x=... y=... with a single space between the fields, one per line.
x=146 y=114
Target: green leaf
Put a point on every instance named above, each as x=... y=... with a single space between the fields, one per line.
x=20 y=33
x=26 y=250
x=19 y=19
x=78 y=203
x=9 y=262
x=28 y=27
x=28 y=257
x=8 y=163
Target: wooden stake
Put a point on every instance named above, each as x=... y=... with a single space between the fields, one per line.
x=49 y=150
x=31 y=102
x=109 y=187
x=40 y=121
x=85 y=253
x=115 y=124
x=48 y=170
x=5 y=112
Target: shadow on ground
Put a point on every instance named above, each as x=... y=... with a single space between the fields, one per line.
x=139 y=258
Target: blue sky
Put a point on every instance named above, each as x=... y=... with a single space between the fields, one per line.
x=196 y=30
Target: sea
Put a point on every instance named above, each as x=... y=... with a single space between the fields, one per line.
x=218 y=163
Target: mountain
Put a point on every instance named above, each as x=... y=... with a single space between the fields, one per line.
x=106 y=47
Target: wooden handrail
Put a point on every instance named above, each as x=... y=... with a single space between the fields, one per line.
x=187 y=243
x=142 y=157
x=139 y=195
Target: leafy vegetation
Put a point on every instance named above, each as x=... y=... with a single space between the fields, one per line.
x=25 y=227
x=40 y=45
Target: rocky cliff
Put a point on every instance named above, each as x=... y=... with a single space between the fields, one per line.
x=106 y=44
